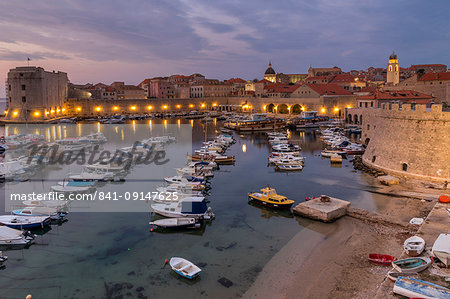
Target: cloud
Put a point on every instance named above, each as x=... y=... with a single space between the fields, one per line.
x=220 y=38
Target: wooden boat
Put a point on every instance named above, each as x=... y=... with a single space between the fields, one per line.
x=183 y=222
x=291 y=153
x=411 y=265
x=184 y=267
x=444 y=198
x=416 y=288
x=24 y=222
x=394 y=275
x=289 y=167
x=270 y=198
x=381 y=259
x=441 y=248
x=414 y=246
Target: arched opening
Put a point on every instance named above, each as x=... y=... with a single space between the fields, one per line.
x=404 y=166
x=349 y=119
x=360 y=119
x=355 y=119
x=366 y=142
x=283 y=109
x=296 y=109
x=270 y=108
x=374 y=158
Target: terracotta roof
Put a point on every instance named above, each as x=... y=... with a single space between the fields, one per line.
x=235 y=80
x=427 y=65
x=264 y=81
x=342 y=78
x=317 y=78
x=397 y=95
x=281 y=88
x=435 y=76
x=371 y=89
x=328 y=89
x=146 y=81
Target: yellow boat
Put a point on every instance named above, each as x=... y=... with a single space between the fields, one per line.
x=270 y=198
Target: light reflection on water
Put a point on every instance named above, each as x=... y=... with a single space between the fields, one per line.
x=118 y=247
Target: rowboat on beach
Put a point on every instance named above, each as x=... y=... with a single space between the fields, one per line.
x=414 y=246
x=394 y=275
x=381 y=259
x=416 y=288
x=411 y=265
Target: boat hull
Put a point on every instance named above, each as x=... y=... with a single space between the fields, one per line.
x=270 y=205
x=416 y=288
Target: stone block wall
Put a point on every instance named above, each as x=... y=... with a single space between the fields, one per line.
x=408 y=141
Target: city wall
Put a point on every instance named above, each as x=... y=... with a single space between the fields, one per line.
x=410 y=143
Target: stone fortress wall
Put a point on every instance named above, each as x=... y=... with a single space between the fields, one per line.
x=406 y=141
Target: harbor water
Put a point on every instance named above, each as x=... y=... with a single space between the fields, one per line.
x=103 y=255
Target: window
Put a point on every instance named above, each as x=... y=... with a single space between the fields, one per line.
x=24 y=87
x=404 y=166
x=371 y=104
x=374 y=158
x=368 y=127
x=9 y=87
x=365 y=104
x=24 y=99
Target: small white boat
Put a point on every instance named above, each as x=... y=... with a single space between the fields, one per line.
x=286 y=159
x=69 y=189
x=184 y=267
x=290 y=167
x=182 y=222
x=329 y=153
x=92 y=176
x=411 y=265
x=414 y=246
x=3 y=258
x=441 y=248
x=192 y=207
x=11 y=238
x=40 y=211
x=416 y=288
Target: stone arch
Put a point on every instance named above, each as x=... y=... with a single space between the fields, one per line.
x=355 y=119
x=349 y=119
x=283 y=109
x=270 y=108
x=296 y=109
x=360 y=119
x=366 y=142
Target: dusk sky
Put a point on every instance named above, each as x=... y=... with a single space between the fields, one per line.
x=129 y=41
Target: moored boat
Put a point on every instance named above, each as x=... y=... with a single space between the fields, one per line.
x=184 y=267
x=289 y=167
x=192 y=207
x=24 y=222
x=411 y=265
x=270 y=198
x=182 y=222
x=11 y=238
x=416 y=288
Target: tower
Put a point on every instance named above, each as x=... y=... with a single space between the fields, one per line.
x=270 y=74
x=393 y=73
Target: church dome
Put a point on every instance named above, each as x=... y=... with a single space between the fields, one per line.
x=270 y=70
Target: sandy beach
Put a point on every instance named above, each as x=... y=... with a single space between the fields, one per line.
x=333 y=263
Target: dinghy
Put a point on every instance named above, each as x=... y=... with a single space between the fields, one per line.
x=291 y=167
x=40 y=211
x=381 y=259
x=3 y=258
x=184 y=267
x=394 y=275
x=193 y=207
x=24 y=222
x=411 y=265
x=441 y=249
x=183 y=222
x=416 y=288
x=11 y=238
x=414 y=246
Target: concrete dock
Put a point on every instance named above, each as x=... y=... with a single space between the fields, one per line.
x=327 y=211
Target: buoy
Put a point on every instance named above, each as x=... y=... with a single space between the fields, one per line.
x=166 y=261
x=152 y=229
x=28 y=296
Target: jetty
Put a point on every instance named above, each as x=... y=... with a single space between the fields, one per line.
x=323 y=208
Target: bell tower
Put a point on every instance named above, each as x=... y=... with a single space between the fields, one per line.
x=393 y=70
